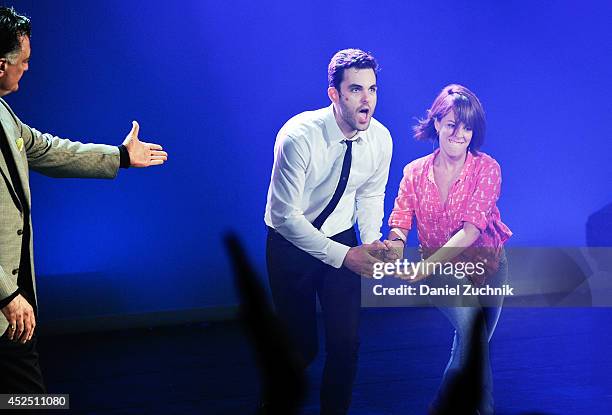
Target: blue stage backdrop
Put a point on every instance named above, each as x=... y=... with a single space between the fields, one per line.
x=214 y=81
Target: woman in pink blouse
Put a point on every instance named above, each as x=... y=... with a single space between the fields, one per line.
x=452 y=194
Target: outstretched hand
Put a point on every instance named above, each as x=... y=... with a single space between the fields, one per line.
x=143 y=154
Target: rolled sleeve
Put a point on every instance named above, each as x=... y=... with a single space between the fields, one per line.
x=484 y=197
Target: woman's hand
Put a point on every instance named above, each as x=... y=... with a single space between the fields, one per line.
x=413 y=272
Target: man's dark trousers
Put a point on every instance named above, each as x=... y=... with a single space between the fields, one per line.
x=296 y=278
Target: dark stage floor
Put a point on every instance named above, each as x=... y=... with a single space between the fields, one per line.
x=554 y=361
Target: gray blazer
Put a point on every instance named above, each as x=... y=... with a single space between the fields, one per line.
x=51 y=156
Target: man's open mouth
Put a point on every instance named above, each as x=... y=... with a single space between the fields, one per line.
x=363 y=115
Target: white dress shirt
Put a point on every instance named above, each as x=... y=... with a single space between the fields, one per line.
x=308 y=156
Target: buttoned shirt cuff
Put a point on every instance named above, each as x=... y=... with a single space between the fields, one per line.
x=124 y=157
x=336 y=254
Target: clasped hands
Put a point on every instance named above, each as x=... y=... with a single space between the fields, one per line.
x=362 y=259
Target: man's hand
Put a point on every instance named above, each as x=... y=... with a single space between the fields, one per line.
x=20 y=316
x=361 y=259
x=143 y=154
x=395 y=250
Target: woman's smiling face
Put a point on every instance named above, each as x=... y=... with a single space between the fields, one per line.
x=454 y=137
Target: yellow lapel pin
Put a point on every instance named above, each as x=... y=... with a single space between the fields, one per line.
x=19 y=143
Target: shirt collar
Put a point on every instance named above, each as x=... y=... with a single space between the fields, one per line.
x=334 y=133
x=467 y=166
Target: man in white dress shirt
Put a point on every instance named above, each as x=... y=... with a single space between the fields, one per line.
x=330 y=171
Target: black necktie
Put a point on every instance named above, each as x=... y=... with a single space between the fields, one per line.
x=344 y=175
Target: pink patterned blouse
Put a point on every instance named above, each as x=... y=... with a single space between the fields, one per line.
x=471 y=198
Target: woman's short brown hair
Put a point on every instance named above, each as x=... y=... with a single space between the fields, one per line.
x=467 y=110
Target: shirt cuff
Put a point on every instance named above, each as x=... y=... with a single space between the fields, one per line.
x=4 y=302
x=400 y=221
x=124 y=157
x=369 y=237
x=477 y=219
x=336 y=254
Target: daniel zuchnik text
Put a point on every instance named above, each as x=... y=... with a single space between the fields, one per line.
x=447 y=290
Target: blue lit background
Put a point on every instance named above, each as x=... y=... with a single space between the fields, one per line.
x=214 y=81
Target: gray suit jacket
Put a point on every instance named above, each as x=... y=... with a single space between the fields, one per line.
x=51 y=156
